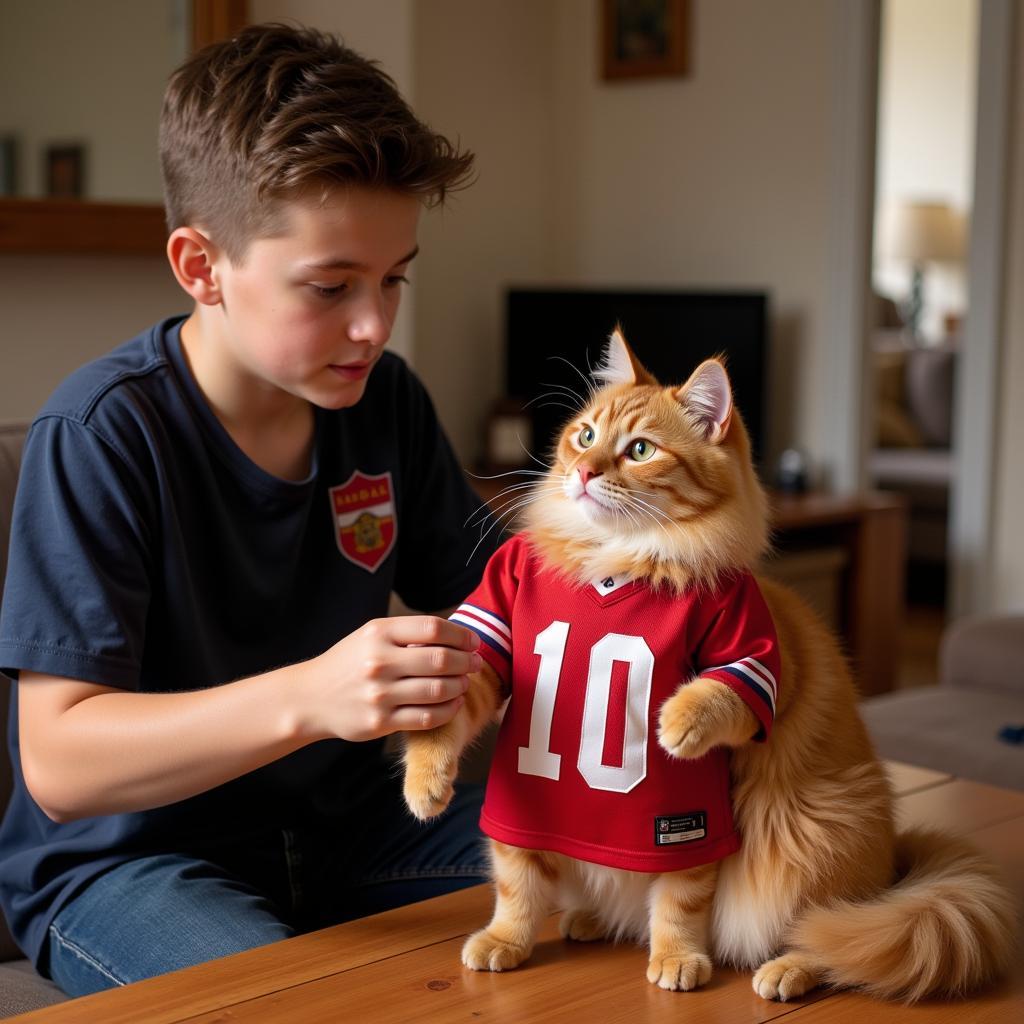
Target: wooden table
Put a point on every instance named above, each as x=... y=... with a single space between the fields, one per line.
x=404 y=965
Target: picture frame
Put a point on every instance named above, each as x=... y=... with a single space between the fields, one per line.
x=65 y=171
x=645 y=38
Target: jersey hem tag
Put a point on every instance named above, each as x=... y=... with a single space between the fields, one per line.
x=680 y=828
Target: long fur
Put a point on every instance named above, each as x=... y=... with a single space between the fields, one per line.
x=822 y=889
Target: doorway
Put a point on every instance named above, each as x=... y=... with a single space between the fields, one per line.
x=924 y=184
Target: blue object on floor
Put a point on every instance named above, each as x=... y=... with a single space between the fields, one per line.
x=1012 y=734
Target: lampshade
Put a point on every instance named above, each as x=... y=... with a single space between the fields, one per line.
x=923 y=232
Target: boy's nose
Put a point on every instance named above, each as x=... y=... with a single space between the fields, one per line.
x=371 y=325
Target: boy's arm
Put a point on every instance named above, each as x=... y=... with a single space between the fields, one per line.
x=88 y=749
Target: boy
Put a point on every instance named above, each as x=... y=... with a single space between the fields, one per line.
x=209 y=522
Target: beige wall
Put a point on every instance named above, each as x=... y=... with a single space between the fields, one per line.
x=91 y=73
x=718 y=180
x=60 y=312
x=1008 y=555
x=483 y=75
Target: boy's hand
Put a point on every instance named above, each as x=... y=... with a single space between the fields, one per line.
x=391 y=675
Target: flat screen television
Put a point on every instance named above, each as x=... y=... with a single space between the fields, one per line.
x=670 y=331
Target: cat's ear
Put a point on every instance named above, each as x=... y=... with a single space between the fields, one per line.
x=619 y=364
x=708 y=397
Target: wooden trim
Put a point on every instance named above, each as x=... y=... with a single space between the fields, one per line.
x=72 y=226
x=845 y=369
x=214 y=20
x=977 y=384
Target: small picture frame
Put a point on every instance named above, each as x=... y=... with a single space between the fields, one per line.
x=65 y=171
x=645 y=38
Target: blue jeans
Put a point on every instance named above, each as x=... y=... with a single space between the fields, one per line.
x=165 y=911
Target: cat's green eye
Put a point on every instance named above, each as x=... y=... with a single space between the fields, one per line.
x=641 y=451
x=586 y=438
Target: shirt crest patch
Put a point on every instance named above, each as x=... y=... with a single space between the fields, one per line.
x=365 y=525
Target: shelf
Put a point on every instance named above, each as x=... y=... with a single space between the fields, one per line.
x=71 y=226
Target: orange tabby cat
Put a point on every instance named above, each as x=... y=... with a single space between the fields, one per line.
x=823 y=889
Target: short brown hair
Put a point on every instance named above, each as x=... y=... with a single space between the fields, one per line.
x=277 y=109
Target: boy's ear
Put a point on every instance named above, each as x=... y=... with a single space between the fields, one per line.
x=192 y=257
x=707 y=395
x=619 y=364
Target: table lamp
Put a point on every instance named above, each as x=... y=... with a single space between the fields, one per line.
x=918 y=233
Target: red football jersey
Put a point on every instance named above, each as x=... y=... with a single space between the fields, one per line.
x=578 y=768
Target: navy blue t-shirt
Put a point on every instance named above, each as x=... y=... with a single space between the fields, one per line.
x=148 y=552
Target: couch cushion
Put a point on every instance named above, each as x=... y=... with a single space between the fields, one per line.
x=929 y=386
x=21 y=989
x=12 y=439
x=955 y=731
x=985 y=653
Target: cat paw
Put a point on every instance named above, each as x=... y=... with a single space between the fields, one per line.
x=483 y=952
x=427 y=790
x=581 y=926
x=784 y=978
x=679 y=973
x=684 y=730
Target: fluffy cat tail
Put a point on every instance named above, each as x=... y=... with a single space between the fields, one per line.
x=945 y=928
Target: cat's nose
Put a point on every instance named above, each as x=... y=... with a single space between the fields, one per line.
x=587 y=473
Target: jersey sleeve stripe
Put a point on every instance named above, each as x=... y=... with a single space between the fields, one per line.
x=753 y=681
x=757 y=667
x=488 y=635
x=488 y=617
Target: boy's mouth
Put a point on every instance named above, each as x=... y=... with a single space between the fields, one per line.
x=352 y=371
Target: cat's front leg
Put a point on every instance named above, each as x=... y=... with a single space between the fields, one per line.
x=704 y=714
x=431 y=758
x=680 y=912
x=525 y=883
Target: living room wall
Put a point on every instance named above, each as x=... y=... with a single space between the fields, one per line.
x=720 y=179
x=717 y=180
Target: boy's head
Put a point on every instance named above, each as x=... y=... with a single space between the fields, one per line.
x=279 y=111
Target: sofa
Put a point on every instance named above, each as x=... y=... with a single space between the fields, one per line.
x=966 y=725
x=21 y=989
x=912 y=454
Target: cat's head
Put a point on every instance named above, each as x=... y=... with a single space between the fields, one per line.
x=652 y=480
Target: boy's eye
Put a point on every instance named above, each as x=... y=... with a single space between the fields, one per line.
x=641 y=451
x=586 y=437
x=395 y=280
x=328 y=292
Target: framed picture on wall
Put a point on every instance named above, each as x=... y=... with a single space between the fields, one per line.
x=65 y=171
x=645 y=38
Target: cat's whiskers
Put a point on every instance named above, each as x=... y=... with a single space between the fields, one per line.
x=652 y=509
x=511 y=472
x=566 y=390
x=505 y=490
x=510 y=508
x=643 y=508
x=588 y=383
x=557 y=394
x=487 y=508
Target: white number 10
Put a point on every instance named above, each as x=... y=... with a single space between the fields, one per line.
x=539 y=759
